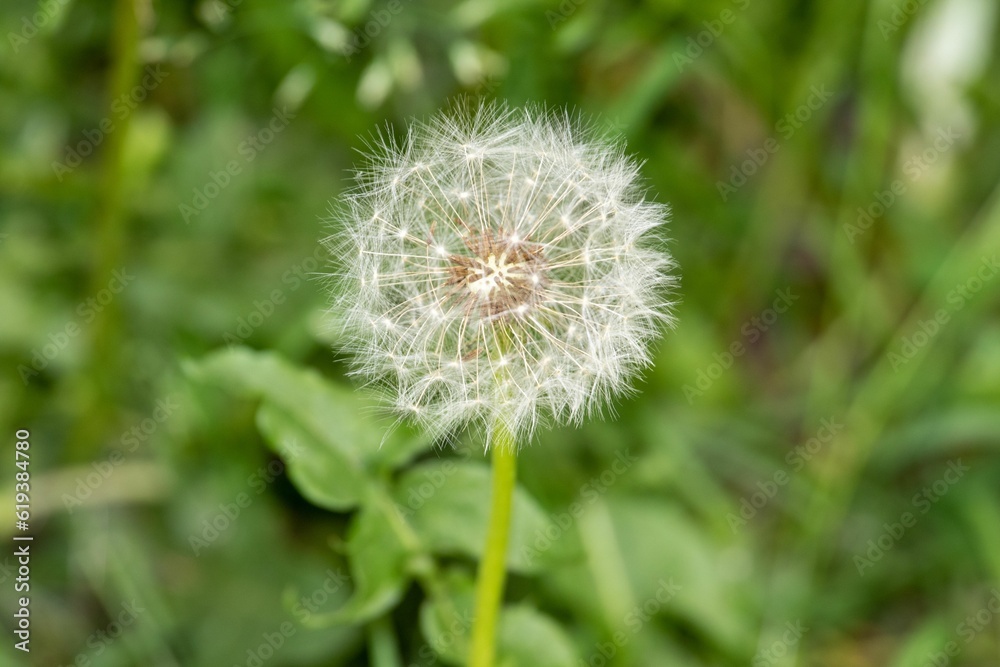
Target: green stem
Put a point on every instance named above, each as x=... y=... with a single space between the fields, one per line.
x=100 y=387
x=492 y=569
x=382 y=643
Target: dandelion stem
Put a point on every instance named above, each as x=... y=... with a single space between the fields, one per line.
x=492 y=568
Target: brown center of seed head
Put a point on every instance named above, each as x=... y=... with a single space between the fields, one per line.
x=502 y=276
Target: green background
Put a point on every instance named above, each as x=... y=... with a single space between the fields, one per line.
x=816 y=486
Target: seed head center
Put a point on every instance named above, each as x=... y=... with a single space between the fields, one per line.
x=500 y=276
x=493 y=274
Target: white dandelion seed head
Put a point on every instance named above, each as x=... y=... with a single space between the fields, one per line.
x=500 y=265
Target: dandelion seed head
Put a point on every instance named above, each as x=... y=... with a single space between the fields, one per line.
x=500 y=265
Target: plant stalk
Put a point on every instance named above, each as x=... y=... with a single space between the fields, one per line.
x=492 y=568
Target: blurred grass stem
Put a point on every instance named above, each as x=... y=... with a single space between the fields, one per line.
x=110 y=229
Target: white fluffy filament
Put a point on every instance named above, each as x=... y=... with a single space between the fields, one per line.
x=500 y=264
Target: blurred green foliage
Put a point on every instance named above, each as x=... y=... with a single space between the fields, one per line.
x=812 y=463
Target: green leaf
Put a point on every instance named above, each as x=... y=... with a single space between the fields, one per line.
x=447 y=503
x=446 y=619
x=525 y=636
x=327 y=434
x=529 y=637
x=324 y=475
x=661 y=544
x=378 y=561
x=637 y=550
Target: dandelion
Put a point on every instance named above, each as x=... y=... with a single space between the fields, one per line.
x=503 y=270
x=501 y=267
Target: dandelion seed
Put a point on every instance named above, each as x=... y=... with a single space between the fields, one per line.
x=521 y=287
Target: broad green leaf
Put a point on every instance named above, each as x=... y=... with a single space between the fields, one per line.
x=378 y=566
x=324 y=475
x=525 y=636
x=529 y=637
x=661 y=544
x=446 y=619
x=646 y=554
x=327 y=433
x=447 y=503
